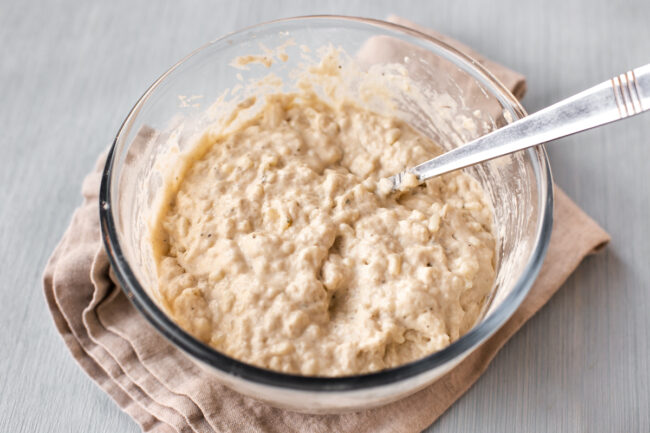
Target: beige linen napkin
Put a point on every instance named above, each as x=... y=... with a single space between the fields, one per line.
x=164 y=391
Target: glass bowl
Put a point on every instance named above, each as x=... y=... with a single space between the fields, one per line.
x=173 y=109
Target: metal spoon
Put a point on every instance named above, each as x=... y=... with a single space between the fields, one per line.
x=621 y=97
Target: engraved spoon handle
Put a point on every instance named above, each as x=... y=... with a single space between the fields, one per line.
x=615 y=99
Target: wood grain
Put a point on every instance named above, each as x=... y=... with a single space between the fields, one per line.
x=70 y=71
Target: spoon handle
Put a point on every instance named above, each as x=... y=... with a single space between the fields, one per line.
x=622 y=96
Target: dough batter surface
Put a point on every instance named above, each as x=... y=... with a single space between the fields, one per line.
x=277 y=246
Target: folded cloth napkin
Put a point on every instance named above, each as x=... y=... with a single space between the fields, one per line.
x=165 y=391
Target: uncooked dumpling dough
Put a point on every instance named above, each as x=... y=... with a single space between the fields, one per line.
x=277 y=247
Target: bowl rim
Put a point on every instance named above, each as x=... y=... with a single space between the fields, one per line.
x=226 y=364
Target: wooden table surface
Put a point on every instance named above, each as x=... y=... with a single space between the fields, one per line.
x=71 y=70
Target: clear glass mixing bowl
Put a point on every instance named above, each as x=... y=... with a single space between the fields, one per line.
x=173 y=109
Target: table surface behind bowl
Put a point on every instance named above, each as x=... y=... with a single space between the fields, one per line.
x=71 y=70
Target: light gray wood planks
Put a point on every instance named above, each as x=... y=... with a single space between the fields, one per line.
x=70 y=71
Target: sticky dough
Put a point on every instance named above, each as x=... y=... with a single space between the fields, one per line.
x=277 y=247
